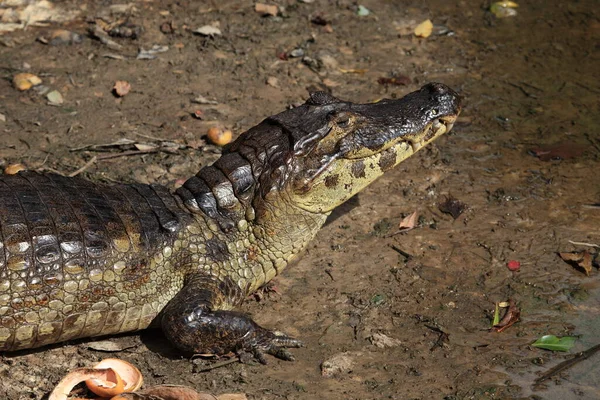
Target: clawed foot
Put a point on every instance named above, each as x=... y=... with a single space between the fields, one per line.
x=263 y=341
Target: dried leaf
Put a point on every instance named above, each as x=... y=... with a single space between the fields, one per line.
x=272 y=81
x=553 y=343
x=121 y=88
x=25 y=81
x=424 y=29
x=232 y=396
x=145 y=147
x=452 y=206
x=55 y=98
x=559 y=151
x=409 y=222
x=176 y=392
x=106 y=345
x=398 y=80
x=382 y=341
x=510 y=318
x=579 y=259
x=360 y=71
x=203 y=100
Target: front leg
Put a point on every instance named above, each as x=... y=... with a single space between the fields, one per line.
x=198 y=320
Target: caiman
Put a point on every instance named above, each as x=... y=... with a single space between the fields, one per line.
x=81 y=259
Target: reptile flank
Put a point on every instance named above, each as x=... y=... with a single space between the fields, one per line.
x=81 y=259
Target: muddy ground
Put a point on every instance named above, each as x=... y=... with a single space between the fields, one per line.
x=527 y=81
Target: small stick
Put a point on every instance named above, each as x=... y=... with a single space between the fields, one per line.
x=219 y=365
x=584 y=244
x=399 y=250
x=567 y=364
x=125 y=154
x=86 y=166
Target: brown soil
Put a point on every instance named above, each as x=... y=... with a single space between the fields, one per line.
x=528 y=81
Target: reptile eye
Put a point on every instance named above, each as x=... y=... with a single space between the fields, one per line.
x=343 y=122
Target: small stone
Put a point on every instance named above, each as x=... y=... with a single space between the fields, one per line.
x=380 y=340
x=208 y=30
x=266 y=9
x=340 y=363
x=296 y=53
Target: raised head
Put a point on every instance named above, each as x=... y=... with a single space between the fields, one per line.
x=318 y=155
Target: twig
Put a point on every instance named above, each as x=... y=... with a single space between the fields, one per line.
x=86 y=166
x=525 y=92
x=584 y=244
x=126 y=154
x=219 y=365
x=399 y=250
x=567 y=364
x=152 y=137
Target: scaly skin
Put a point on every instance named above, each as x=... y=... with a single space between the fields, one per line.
x=79 y=259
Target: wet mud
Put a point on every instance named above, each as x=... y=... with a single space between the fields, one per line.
x=410 y=312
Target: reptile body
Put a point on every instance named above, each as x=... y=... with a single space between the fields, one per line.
x=80 y=259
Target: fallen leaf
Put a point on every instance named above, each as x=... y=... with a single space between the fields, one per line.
x=12 y=169
x=452 y=206
x=203 y=100
x=554 y=343
x=145 y=147
x=398 y=80
x=362 y=11
x=174 y=392
x=55 y=98
x=106 y=345
x=232 y=396
x=272 y=81
x=208 y=30
x=409 y=222
x=503 y=9
x=319 y=20
x=121 y=88
x=579 y=259
x=559 y=151
x=330 y=82
x=510 y=318
x=151 y=53
x=353 y=71
x=266 y=9
x=24 y=81
x=496 y=319
x=382 y=341
x=424 y=29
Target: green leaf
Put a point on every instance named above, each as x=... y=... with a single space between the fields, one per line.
x=496 y=320
x=551 y=342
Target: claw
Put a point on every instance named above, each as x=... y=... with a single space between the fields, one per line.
x=273 y=343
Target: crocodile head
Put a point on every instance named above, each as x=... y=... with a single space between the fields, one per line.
x=316 y=156
x=337 y=148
